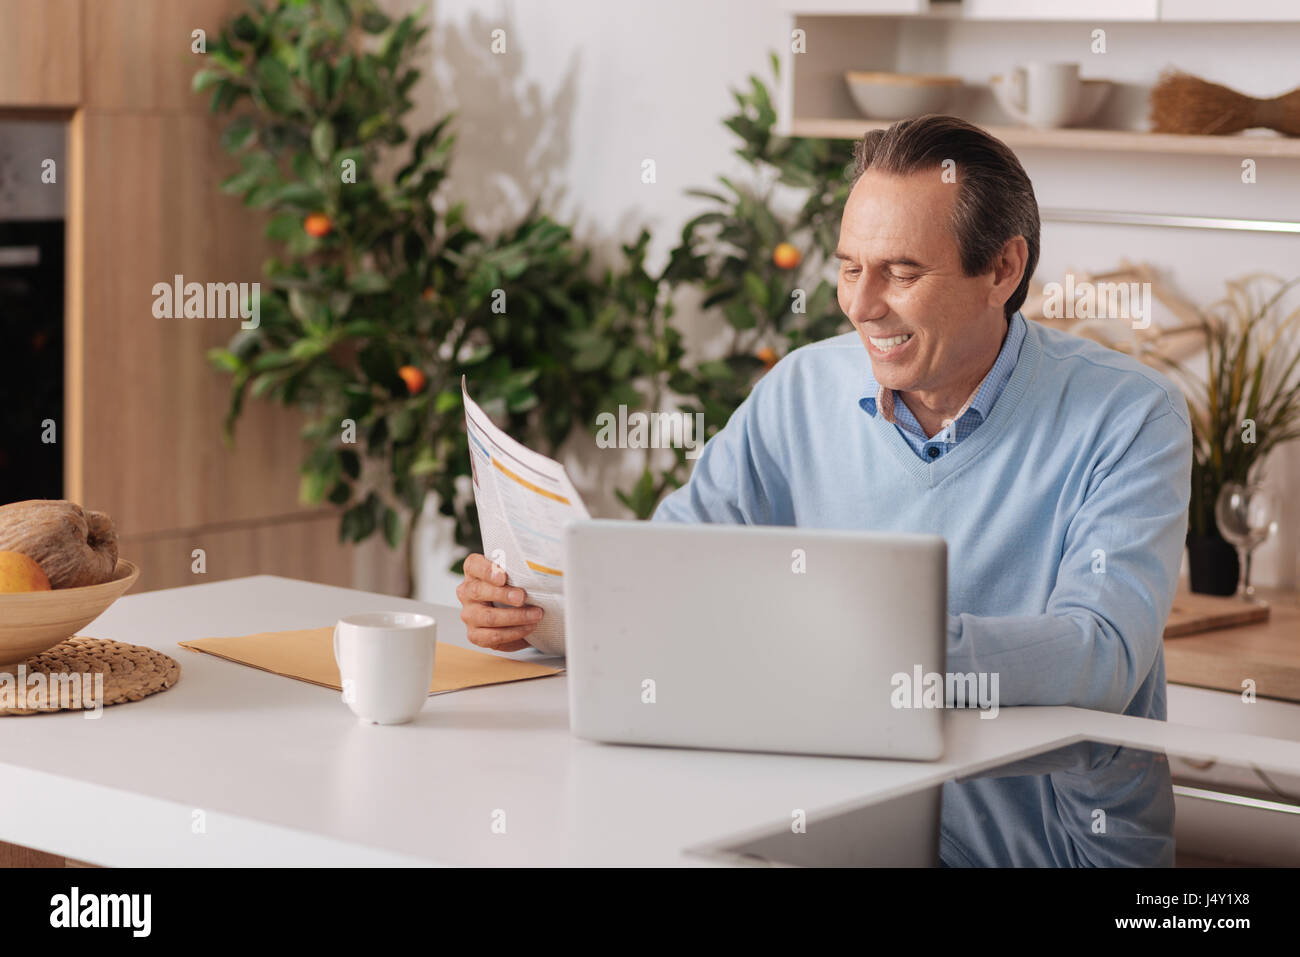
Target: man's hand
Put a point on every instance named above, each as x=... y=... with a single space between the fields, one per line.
x=501 y=629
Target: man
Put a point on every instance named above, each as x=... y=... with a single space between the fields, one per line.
x=1057 y=470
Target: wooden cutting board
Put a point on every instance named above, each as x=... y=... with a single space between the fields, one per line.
x=1195 y=613
x=1263 y=655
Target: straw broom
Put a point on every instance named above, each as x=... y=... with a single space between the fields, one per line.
x=1182 y=103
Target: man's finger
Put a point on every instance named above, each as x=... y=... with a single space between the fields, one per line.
x=479 y=615
x=502 y=639
x=477 y=566
x=475 y=589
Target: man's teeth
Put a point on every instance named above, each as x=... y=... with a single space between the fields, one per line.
x=884 y=344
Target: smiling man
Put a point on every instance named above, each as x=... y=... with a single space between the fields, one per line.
x=1057 y=470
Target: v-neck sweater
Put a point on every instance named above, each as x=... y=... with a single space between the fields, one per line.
x=1065 y=516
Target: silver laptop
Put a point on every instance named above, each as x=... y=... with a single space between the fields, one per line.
x=755 y=638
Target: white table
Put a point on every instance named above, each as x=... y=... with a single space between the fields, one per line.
x=282 y=773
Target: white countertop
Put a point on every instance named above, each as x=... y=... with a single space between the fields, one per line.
x=284 y=774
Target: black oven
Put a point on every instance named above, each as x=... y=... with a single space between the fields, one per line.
x=31 y=360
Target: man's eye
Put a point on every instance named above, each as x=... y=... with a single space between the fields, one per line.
x=904 y=279
x=851 y=271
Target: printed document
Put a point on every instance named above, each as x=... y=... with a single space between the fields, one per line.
x=524 y=501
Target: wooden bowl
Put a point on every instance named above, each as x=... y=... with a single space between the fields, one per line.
x=33 y=621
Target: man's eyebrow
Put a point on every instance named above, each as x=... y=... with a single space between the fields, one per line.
x=896 y=261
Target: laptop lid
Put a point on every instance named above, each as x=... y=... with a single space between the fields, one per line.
x=754 y=638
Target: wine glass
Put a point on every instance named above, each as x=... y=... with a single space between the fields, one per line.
x=1247 y=515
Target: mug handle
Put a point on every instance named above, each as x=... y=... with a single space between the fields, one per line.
x=1017 y=90
x=336 y=647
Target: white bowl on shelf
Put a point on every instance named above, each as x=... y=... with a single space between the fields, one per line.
x=898 y=96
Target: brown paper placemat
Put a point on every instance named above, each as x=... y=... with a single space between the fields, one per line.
x=308 y=655
x=130 y=672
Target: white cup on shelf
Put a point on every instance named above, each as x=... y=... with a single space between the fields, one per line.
x=385 y=663
x=1041 y=94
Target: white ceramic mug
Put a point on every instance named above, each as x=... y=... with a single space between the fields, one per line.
x=385 y=662
x=1044 y=95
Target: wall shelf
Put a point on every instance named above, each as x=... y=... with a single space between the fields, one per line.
x=1119 y=141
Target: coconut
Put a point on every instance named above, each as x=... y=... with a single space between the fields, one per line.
x=74 y=547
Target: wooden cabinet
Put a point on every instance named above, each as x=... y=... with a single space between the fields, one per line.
x=142 y=433
x=40 y=53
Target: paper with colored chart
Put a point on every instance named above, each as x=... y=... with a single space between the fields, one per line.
x=524 y=501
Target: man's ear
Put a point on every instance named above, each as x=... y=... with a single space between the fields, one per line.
x=1008 y=270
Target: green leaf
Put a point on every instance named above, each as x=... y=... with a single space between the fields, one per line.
x=350 y=462
x=306 y=308
x=311 y=488
x=265 y=382
x=594 y=356
x=358 y=522
x=365 y=282
x=446 y=402
x=302 y=195
x=401 y=425
x=240 y=182
x=521 y=400
x=716 y=370
x=337 y=14
x=425 y=462
x=372 y=21
x=205 y=79
x=284 y=226
x=305 y=349
x=340 y=493
x=476 y=355
x=224 y=360
x=245 y=28
x=238 y=134
x=739 y=316
x=276 y=84
x=392 y=528
x=322 y=140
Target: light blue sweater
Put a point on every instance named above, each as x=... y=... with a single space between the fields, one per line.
x=1065 y=514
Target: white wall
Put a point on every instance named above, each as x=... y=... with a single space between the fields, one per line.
x=590 y=88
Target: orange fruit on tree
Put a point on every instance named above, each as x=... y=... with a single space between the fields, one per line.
x=19 y=573
x=767 y=356
x=785 y=256
x=317 y=225
x=414 y=379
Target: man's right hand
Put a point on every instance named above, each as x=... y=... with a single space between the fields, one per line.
x=501 y=629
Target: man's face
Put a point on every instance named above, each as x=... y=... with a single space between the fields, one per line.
x=900 y=274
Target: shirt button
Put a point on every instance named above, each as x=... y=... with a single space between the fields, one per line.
x=933 y=451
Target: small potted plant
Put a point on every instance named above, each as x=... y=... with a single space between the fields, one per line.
x=1248 y=405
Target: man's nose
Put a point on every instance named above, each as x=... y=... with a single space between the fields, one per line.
x=867 y=301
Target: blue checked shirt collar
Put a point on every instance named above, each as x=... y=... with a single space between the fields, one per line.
x=976 y=407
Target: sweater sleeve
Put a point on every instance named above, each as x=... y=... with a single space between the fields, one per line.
x=1103 y=627
x=738 y=478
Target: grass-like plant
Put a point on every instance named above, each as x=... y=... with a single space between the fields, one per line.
x=1249 y=403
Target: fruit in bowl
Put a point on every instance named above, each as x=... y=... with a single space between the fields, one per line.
x=18 y=573
x=59 y=571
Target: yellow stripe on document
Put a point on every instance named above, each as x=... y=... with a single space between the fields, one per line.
x=529 y=485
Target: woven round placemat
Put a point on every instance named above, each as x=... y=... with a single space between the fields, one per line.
x=131 y=672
